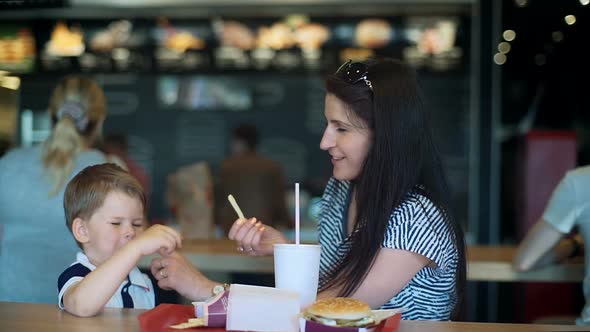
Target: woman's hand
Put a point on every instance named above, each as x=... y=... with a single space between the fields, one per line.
x=177 y=273
x=255 y=238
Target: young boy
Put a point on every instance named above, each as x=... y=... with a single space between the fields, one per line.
x=104 y=207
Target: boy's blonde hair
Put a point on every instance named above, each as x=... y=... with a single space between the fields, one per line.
x=86 y=192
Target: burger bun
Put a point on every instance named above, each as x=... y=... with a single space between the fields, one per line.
x=340 y=308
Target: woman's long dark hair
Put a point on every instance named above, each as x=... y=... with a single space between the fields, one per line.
x=402 y=159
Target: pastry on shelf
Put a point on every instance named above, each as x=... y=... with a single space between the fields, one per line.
x=236 y=34
x=177 y=40
x=311 y=36
x=15 y=49
x=183 y=41
x=373 y=33
x=277 y=37
x=117 y=34
x=65 y=41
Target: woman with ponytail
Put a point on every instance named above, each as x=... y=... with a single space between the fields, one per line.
x=35 y=244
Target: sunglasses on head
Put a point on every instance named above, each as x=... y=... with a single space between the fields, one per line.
x=354 y=72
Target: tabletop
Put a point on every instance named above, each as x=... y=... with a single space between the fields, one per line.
x=47 y=317
x=484 y=263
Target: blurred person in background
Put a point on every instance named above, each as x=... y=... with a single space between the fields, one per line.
x=257 y=183
x=36 y=245
x=117 y=150
x=551 y=239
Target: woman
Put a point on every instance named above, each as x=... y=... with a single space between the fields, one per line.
x=36 y=245
x=386 y=231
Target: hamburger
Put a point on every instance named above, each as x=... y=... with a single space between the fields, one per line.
x=341 y=312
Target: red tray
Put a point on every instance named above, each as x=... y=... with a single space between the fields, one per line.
x=161 y=317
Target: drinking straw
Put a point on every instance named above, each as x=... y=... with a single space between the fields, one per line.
x=296 y=213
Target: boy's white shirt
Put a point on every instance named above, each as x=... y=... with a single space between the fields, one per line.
x=141 y=290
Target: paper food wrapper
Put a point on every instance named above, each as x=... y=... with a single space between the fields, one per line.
x=214 y=310
x=385 y=321
x=263 y=309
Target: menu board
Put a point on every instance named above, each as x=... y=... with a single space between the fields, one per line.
x=289 y=153
x=200 y=135
x=204 y=93
x=315 y=120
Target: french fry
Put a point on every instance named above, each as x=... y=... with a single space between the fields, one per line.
x=234 y=204
x=192 y=322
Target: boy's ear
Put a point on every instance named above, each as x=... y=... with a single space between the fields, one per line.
x=80 y=230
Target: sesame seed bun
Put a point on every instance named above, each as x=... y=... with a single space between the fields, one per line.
x=340 y=308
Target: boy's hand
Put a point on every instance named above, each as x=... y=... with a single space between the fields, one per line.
x=158 y=238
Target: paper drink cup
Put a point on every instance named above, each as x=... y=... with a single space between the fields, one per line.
x=297 y=269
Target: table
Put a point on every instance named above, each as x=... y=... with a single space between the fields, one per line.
x=494 y=263
x=47 y=317
x=484 y=263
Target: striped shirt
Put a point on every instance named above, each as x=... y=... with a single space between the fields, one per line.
x=417 y=225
